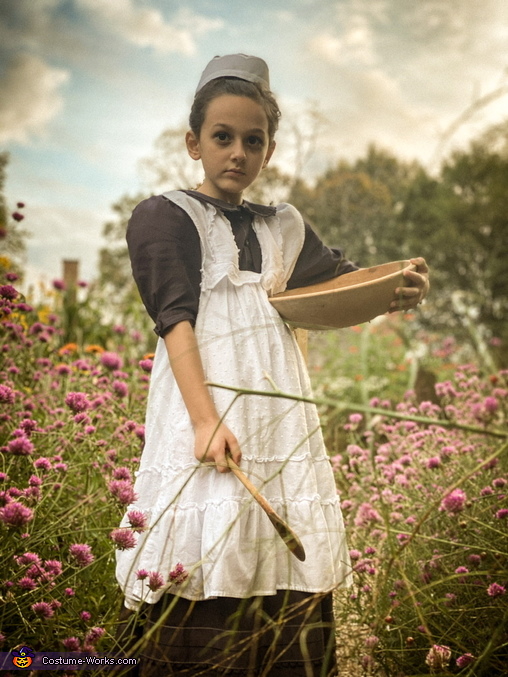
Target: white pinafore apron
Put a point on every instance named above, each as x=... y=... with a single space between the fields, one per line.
x=204 y=519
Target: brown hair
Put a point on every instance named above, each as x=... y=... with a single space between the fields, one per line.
x=236 y=87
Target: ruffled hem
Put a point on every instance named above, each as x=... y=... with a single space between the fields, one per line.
x=257 y=562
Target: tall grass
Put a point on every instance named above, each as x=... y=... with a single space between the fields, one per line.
x=423 y=486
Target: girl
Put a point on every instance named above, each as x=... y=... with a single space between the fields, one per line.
x=205 y=262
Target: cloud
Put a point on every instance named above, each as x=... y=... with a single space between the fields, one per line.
x=30 y=97
x=354 y=45
x=60 y=233
x=146 y=27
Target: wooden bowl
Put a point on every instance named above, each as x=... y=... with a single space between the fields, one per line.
x=343 y=301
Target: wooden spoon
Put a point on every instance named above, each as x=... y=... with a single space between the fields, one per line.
x=289 y=537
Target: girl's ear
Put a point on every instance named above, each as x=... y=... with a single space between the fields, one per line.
x=192 y=144
x=269 y=153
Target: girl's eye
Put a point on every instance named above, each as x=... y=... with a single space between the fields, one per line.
x=222 y=136
x=254 y=141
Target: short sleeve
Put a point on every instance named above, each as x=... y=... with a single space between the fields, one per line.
x=165 y=255
x=317 y=262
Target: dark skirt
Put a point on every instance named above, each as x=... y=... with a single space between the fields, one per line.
x=290 y=634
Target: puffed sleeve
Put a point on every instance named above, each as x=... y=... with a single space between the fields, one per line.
x=317 y=262
x=165 y=255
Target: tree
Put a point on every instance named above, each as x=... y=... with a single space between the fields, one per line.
x=357 y=206
x=12 y=235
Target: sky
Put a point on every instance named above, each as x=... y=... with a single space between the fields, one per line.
x=87 y=86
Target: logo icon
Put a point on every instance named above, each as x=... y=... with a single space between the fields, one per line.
x=23 y=658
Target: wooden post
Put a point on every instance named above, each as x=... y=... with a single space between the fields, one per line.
x=70 y=276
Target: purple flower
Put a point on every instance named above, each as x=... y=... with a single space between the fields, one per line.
x=146 y=365
x=155 y=580
x=69 y=592
x=121 y=388
x=495 y=590
x=111 y=360
x=27 y=583
x=137 y=520
x=502 y=513
x=15 y=514
x=491 y=405
x=71 y=643
x=454 y=502
x=85 y=616
x=450 y=599
x=27 y=558
x=93 y=635
x=59 y=285
x=371 y=641
x=122 y=473
x=42 y=463
x=20 y=446
x=77 y=402
x=433 y=462
x=124 y=539
x=123 y=491
x=438 y=657
x=7 y=395
x=28 y=425
x=53 y=567
x=465 y=660
x=141 y=574
x=8 y=291
x=43 y=609
x=81 y=554
x=178 y=575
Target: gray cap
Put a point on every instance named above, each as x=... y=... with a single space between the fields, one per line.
x=250 y=68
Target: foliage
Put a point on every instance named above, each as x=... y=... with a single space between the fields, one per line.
x=462 y=223
x=430 y=561
x=12 y=235
x=380 y=209
x=71 y=427
x=426 y=513
x=355 y=205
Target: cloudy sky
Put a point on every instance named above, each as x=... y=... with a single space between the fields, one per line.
x=88 y=85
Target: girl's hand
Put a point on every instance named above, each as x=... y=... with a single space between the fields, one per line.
x=417 y=289
x=213 y=441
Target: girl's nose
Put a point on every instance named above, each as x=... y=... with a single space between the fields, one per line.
x=238 y=152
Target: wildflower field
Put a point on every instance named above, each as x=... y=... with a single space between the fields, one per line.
x=424 y=485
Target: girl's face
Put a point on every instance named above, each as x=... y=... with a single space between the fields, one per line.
x=233 y=146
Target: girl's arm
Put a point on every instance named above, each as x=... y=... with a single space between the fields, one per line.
x=212 y=437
